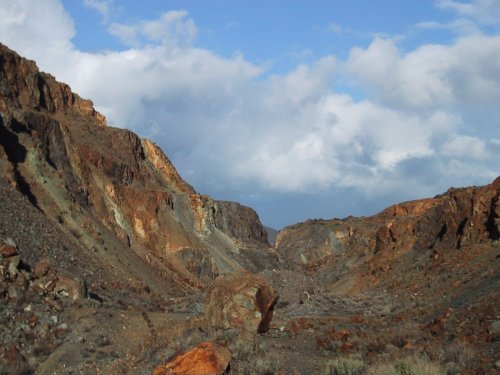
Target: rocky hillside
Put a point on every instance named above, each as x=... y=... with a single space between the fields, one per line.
x=115 y=192
x=371 y=247
x=428 y=271
x=111 y=263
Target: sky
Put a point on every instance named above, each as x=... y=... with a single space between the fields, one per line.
x=295 y=108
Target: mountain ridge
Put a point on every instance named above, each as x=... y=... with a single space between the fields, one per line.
x=110 y=262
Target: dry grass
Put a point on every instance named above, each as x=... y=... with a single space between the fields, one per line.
x=352 y=365
x=407 y=366
x=261 y=363
x=460 y=353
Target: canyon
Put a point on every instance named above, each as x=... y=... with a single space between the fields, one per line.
x=110 y=262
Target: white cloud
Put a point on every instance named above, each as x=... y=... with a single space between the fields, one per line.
x=172 y=29
x=36 y=28
x=432 y=76
x=460 y=26
x=103 y=7
x=335 y=28
x=484 y=11
x=465 y=147
x=228 y=125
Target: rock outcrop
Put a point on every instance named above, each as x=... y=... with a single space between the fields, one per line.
x=44 y=279
x=206 y=358
x=24 y=88
x=117 y=193
x=61 y=283
x=372 y=245
x=241 y=300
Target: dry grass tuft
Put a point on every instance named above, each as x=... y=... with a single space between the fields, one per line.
x=407 y=366
x=352 y=365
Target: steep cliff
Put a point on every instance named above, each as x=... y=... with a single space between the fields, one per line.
x=114 y=190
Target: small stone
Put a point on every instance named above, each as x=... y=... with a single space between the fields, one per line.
x=7 y=251
x=13 y=266
x=495 y=327
x=15 y=292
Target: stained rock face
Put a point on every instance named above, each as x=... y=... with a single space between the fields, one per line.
x=23 y=87
x=241 y=300
x=115 y=189
x=371 y=245
x=206 y=358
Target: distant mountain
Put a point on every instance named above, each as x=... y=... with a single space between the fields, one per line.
x=271 y=234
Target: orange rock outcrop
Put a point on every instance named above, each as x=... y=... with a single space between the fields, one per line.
x=206 y=358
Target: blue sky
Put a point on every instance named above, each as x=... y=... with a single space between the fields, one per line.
x=297 y=109
x=282 y=33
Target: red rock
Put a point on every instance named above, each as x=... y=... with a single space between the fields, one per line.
x=357 y=319
x=206 y=358
x=300 y=324
x=7 y=250
x=13 y=362
x=340 y=335
x=241 y=300
x=347 y=346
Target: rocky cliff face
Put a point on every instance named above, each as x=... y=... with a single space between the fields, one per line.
x=372 y=246
x=114 y=190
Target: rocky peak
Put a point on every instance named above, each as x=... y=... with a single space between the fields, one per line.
x=24 y=87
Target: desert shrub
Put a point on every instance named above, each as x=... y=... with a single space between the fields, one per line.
x=459 y=352
x=407 y=366
x=351 y=365
x=262 y=363
x=242 y=349
x=265 y=365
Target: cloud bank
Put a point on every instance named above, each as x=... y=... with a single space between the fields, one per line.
x=427 y=118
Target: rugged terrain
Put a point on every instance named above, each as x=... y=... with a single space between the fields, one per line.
x=111 y=263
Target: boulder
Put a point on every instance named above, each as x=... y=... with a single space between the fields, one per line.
x=70 y=286
x=206 y=358
x=241 y=300
x=48 y=280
